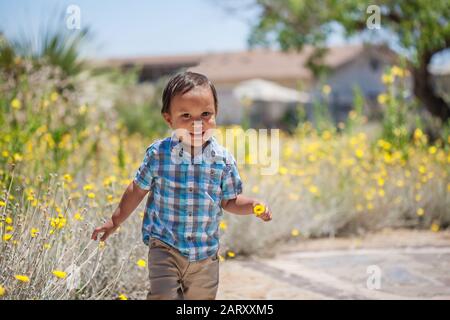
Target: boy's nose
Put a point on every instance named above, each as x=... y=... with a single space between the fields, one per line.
x=197 y=124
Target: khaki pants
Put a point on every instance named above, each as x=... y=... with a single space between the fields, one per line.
x=173 y=277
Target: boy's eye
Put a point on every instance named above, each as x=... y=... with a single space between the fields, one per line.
x=206 y=114
x=186 y=115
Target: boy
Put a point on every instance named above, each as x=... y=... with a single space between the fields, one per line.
x=192 y=178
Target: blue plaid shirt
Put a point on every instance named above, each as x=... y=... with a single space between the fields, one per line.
x=184 y=206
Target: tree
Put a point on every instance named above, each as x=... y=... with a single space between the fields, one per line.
x=421 y=28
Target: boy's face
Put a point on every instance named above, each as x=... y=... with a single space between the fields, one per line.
x=192 y=114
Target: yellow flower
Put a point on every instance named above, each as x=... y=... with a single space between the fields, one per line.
x=326 y=89
x=398 y=72
x=435 y=227
x=9 y=228
x=295 y=233
x=88 y=187
x=387 y=158
x=352 y=115
x=5 y=154
x=420 y=212
x=7 y=237
x=313 y=189
x=78 y=217
x=45 y=103
x=47 y=246
x=2 y=291
x=54 y=96
x=3 y=204
x=223 y=225
x=123 y=297
x=359 y=153
x=22 y=278
x=384 y=144
x=249 y=159
x=83 y=109
x=91 y=195
x=16 y=104
x=109 y=180
x=283 y=170
x=141 y=263
x=259 y=209
x=326 y=135
x=101 y=244
x=68 y=178
x=59 y=274
x=110 y=197
x=382 y=98
x=58 y=222
x=231 y=254
x=221 y=259
x=34 y=232
x=432 y=150
x=387 y=78
x=17 y=157
x=418 y=134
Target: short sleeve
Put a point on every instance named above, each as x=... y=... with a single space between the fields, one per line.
x=231 y=182
x=144 y=175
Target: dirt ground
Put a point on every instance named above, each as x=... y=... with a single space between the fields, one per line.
x=391 y=264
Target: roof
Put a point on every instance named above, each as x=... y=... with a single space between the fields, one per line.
x=257 y=63
x=275 y=65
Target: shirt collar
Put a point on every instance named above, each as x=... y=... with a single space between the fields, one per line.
x=185 y=153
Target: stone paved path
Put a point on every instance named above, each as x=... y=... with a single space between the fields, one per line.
x=412 y=264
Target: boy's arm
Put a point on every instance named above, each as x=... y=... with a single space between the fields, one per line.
x=131 y=198
x=243 y=205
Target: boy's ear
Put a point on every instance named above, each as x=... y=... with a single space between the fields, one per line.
x=167 y=118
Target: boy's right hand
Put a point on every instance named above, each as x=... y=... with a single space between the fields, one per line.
x=107 y=229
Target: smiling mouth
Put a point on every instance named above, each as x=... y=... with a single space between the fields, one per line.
x=196 y=135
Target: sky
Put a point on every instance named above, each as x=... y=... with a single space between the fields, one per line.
x=136 y=27
x=127 y=28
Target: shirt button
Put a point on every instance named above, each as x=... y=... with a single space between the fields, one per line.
x=189 y=238
x=190 y=189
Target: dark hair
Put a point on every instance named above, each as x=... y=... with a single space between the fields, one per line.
x=182 y=83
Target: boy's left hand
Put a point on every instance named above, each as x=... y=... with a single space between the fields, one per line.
x=266 y=215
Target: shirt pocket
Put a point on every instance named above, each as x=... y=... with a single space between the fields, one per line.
x=214 y=175
x=212 y=182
